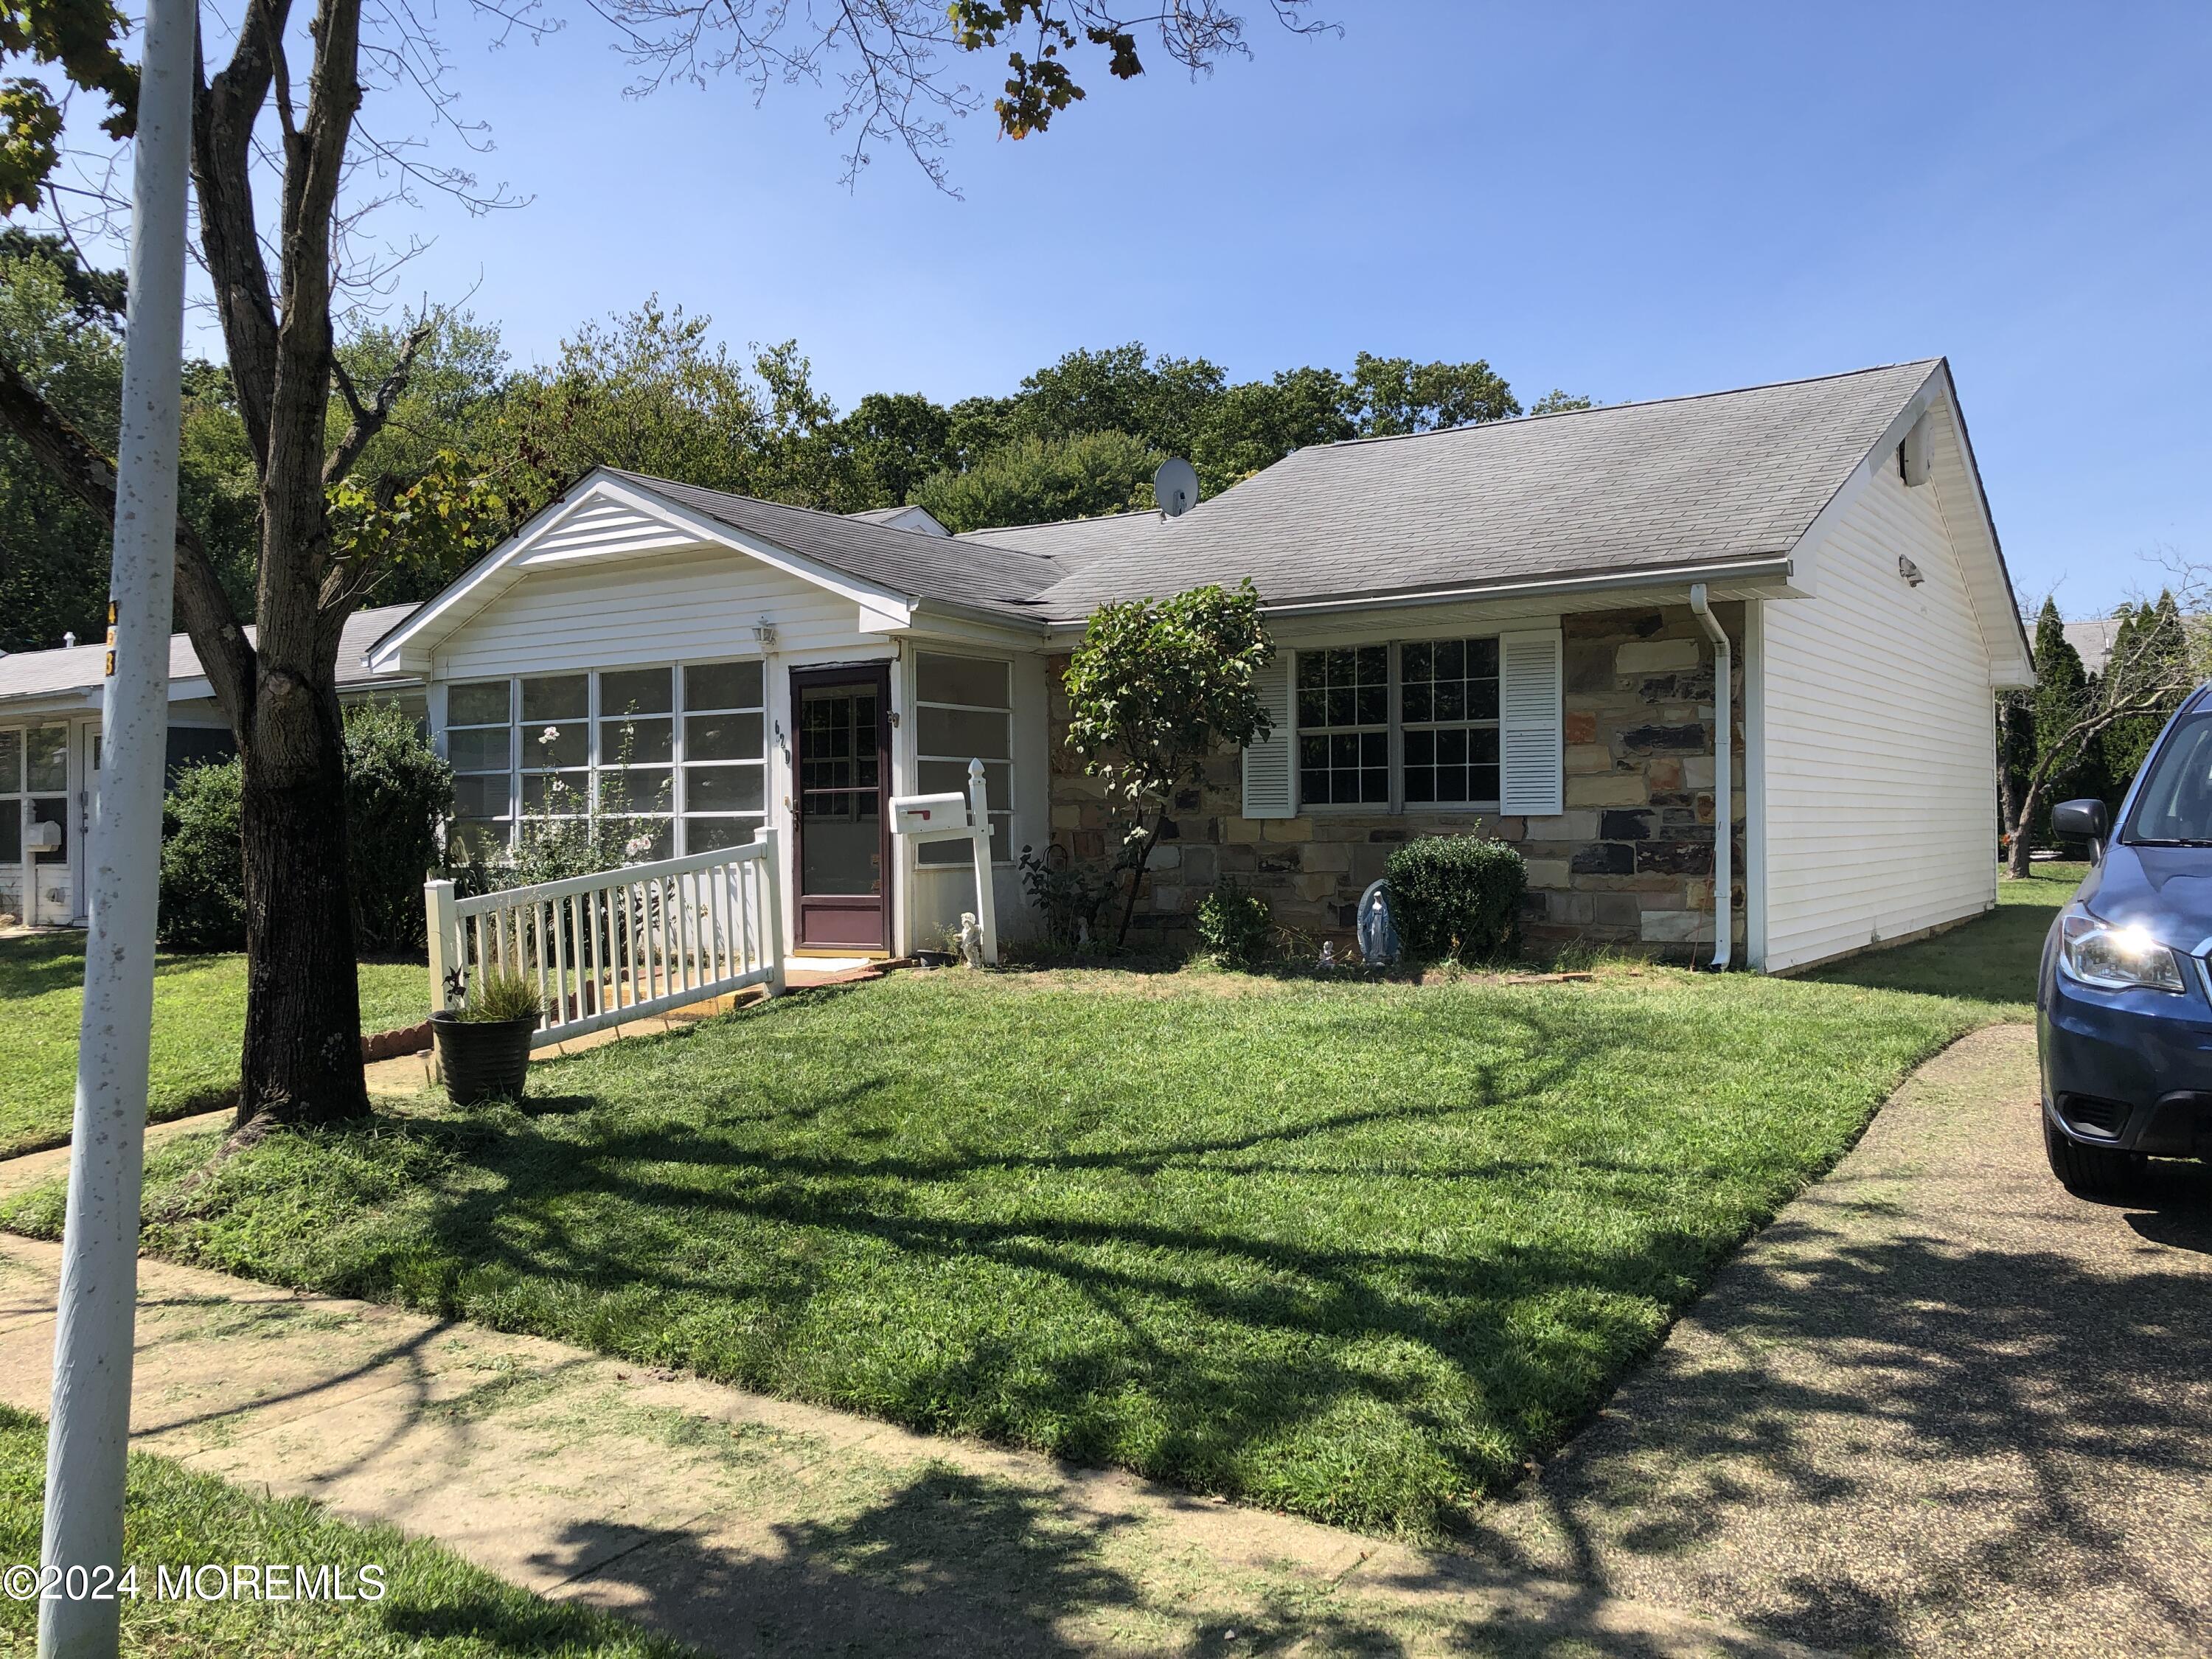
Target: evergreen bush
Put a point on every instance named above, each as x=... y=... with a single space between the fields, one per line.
x=1457 y=897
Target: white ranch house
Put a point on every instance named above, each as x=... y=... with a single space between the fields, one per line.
x=1513 y=627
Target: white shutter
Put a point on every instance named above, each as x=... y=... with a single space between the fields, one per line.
x=1532 y=729
x=1268 y=790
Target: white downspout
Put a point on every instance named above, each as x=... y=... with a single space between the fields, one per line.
x=1723 y=783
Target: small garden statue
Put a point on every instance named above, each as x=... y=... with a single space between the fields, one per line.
x=971 y=940
x=1379 y=930
x=1327 y=963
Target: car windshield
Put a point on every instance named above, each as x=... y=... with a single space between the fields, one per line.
x=2174 y=805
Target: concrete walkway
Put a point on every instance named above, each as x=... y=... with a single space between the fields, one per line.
x=1939 y=1408
x=756 y=1527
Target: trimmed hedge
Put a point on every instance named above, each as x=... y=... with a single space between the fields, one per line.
x=1457 y=897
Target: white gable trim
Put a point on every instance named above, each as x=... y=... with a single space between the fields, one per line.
x=552 y=540
x=1964 y=509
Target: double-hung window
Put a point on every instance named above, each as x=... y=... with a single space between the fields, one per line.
x=1408 y=725
x=1344 y=726
x=964 y=711
x=1448 y=707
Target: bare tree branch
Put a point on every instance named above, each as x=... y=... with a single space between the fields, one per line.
x=368 y=418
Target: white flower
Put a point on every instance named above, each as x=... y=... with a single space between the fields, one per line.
x=637 y=844
x=550 y=736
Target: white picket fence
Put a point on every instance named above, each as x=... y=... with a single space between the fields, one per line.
x=620 y=943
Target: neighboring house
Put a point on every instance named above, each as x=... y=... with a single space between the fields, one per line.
x=1490 y=627
x=2092 y=641
x=50 y=750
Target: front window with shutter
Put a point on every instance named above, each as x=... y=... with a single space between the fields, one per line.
x=1472 y=723
x=1344 y=726
x=1448 y=704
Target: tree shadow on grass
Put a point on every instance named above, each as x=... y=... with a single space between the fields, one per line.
x=1188 y=1349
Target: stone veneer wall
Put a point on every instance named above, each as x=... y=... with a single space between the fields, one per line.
x=1629 y=863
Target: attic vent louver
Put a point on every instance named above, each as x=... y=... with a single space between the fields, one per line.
x=1912 y=455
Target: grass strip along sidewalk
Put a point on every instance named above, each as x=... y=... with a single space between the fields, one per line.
x=1355 y=1251
x=428 y=1603
x=199 y=1018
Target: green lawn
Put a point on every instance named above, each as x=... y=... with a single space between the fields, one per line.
x=436 y=1605
x=1352 y=1250
x=199 y=1014
x=1992 y=959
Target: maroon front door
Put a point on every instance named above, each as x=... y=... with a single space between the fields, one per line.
x=843 y=806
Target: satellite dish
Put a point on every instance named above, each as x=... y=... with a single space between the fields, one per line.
x=1174 y=487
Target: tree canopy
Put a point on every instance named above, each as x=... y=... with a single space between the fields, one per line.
x=655 y=391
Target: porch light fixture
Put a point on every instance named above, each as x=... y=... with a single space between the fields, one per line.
x=1910 y=571
x=764 y=631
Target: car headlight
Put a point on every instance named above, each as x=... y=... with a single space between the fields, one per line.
x=2117 y=958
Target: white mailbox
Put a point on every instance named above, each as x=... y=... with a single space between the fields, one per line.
x=43 y=837
x=930 y=817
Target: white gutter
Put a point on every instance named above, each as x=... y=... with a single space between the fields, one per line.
x=1723 y=784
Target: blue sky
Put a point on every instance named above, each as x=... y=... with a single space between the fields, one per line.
x=1629 y=200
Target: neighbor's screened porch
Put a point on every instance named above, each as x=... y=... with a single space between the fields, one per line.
x=678 y=750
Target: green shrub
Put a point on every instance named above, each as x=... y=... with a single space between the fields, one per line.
x=398 y=792
x=494 y=995
x=1457 y=897
x=1071 y=894
x=202 y=903
x=1234 y=925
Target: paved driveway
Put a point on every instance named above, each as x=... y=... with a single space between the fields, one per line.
x=1939 y=1408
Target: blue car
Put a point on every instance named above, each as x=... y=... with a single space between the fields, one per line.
x=2123 y=1004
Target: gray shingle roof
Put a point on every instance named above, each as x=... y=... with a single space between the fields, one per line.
x=1677 y=482
x=62 y=670
x=907 y=561
x=2092 y=639
x=1075 y=543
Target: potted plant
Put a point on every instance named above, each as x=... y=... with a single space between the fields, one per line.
x=484 y=1046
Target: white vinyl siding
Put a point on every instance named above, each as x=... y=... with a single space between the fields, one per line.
x=696 y=605
x=1878 y=740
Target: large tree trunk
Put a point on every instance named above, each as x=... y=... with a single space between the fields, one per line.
x=302 y=1062
x=2031 y=802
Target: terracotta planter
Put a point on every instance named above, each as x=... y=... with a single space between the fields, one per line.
x=482 y=1060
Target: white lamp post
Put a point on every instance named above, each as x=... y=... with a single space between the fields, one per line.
x=89 y=1436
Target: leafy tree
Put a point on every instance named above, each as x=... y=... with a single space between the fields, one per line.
x=53 y=549
x=2073 y=713
x=1397 y=395
x=2157 y=633
x=647 y=392
x=1156 y=689
x=893 y=441
x=1558 y=401
x=1163 y=400
x=286 y=103
x=1040 y=481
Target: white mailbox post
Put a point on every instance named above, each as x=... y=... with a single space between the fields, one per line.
x=925 y=818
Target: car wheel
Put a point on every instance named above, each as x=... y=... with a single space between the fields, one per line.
x=2090 y=1171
